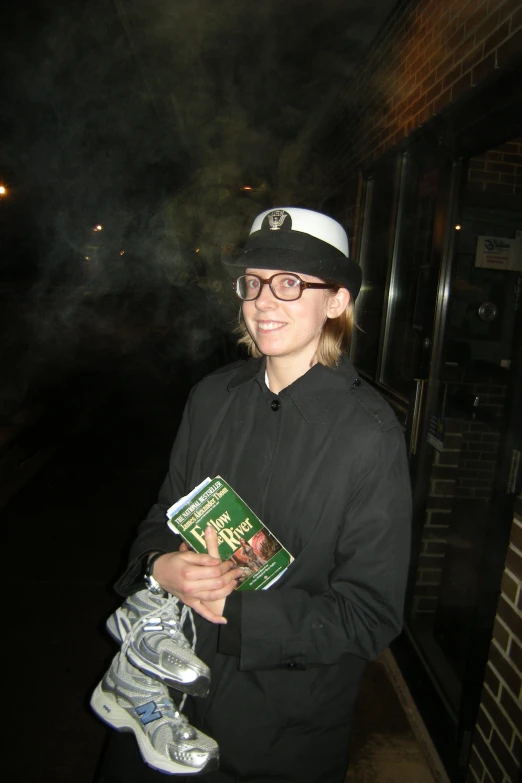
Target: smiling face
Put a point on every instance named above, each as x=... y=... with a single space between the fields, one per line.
x=290 y=330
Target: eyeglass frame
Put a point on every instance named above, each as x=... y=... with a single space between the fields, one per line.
x=268 y=281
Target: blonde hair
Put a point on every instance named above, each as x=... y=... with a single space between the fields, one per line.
x=334 y=342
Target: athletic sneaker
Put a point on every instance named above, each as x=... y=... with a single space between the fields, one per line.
x=132 y=609
x=129 y=701
x=150 y=627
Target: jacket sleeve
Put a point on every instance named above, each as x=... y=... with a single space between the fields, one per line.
x=361 y=610
x=154 y=534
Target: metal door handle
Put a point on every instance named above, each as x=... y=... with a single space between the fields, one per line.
x=415 y=423
x=513 y=472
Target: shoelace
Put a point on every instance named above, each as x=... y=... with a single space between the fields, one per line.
x=158 y=620
x=183 y=727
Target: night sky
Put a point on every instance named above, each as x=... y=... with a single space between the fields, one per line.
x=148 y=118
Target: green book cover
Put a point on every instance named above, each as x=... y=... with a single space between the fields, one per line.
x=242 y=537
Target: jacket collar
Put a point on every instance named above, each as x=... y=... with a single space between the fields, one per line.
x=313 y=394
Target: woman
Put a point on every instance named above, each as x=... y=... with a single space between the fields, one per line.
x=320 y=458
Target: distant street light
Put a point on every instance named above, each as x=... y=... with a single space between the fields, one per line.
x=98 y=228
x=3 y=190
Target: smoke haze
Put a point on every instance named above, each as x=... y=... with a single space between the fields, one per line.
x=147 y=118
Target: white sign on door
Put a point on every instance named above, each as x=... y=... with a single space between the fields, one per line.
x=499 y=253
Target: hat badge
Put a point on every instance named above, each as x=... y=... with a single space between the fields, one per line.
x=276 y=218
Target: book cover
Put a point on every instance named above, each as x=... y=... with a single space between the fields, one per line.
x=242 y=537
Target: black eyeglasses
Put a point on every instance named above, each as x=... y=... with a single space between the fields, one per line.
x=283 y=285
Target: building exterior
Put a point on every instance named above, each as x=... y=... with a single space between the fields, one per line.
x=423 y=163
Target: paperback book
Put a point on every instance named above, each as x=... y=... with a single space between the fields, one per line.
x=242 y=537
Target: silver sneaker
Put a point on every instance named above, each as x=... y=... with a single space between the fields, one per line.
x=129 y=701
x=150 y=627
x=136 y=606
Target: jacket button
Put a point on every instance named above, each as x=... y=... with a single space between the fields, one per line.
x=275 y=405
x=357 y=382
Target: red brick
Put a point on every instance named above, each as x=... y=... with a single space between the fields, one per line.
x=498 y=718
x=444 y=67
x=515 y=654
x=426 y=113
x=454 y=40
x=487 y=27
x=484 y=724
x=508 y=146
x=462 y=51
x=483 y=176
x=508 y=8
x=461 y=86
x=483 y=69
x=503 y=168
x=476 y=764
x=500 y=635
x=441 y=102
x=452 y=76
x=505 y=757
x=434 y=92
x=516 y=20
x=514 y=563
x=516 y=530
x=511 y=706
x=509 y=616
x=491 y=679
x=475 y=18
x=517 y=748
x=473 y=58
x=515 y=160
x=428 y=81
x=509 y=51
x=467 y=7
x=509 y=587
x=488 y=758
x=496 y=38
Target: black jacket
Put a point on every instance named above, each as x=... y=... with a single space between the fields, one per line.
x=323 y=465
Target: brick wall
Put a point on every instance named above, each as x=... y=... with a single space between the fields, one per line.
x=498 y=170
x=463 y=471
x=432 y=53
x=497 y=744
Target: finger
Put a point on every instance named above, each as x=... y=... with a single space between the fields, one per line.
x=202 y=587
x=183 y=547
x=189 y=556
x=205 y=612
x=212 y=541
x=219 y=575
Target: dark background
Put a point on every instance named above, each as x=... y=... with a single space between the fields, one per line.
x=169 y=124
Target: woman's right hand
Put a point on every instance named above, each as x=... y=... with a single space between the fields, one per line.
x=194 y=578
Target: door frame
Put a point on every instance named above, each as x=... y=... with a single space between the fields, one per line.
x=492 y=117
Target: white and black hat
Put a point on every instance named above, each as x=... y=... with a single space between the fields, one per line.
x=299 y=240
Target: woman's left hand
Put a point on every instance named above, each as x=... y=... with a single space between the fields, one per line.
x=210 y=610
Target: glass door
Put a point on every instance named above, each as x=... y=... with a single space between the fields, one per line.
x=464 y=439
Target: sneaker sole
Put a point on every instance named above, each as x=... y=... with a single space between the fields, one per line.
x=110 y=712
x=198 y=687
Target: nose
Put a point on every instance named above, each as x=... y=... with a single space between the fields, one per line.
x=266 y=299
